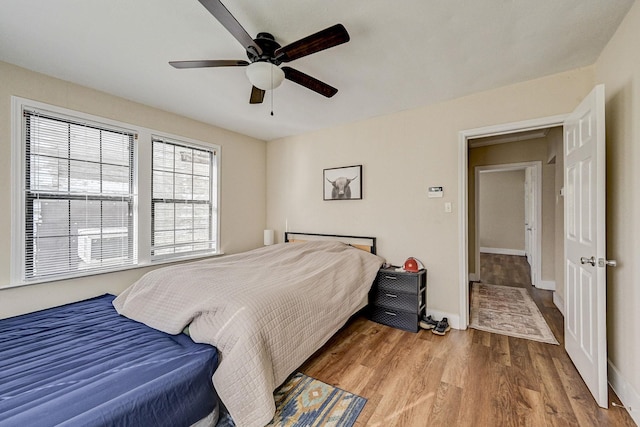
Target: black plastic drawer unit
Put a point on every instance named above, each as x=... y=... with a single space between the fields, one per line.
x=395 y=318
x=399 y=298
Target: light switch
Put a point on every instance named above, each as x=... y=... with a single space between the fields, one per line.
x=447 y=207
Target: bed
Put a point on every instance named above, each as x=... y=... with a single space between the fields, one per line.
x=253 y=318
x=265 y=310
x=82 y=364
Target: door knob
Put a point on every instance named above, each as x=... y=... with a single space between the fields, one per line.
x=607 y=262
x=585 y=260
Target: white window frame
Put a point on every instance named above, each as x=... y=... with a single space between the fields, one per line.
x=141 y=190
x=214 y=201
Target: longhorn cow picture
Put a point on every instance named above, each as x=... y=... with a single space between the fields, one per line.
x=344 y=183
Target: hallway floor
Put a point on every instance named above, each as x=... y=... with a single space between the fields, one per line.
x=512 y=270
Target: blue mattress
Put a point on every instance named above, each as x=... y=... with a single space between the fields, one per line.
x=83 y=364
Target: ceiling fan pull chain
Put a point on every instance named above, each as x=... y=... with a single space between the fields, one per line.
x=272 y=92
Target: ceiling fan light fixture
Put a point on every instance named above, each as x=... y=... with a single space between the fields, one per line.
x=265 y=75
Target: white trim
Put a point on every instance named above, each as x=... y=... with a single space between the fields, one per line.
x=463 y=219
x=559 y=302
x=502 y=251
x=507 y=138
x=548 y=285
x=628 y=395
x=473 y=277
x=463 y=226
x=454 y=319
x=17 y=187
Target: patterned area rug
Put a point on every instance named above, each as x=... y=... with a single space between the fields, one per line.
x=306 y=402
x=509 y=311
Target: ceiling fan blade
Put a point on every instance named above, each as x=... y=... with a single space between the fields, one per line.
x=222 y=14
x=329 y=37
x=309 y=82
x=257 y=96
x=209 y=63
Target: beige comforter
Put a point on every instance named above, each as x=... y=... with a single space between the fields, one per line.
x=266 y=311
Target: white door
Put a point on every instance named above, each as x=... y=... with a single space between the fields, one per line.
x=527 y=214
x=530 y=221
x=584 y=240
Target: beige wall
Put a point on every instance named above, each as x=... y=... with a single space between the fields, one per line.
x=402 y=155
x=518 y=152
x=243 y=188
x=501 y=210
x=619 y=69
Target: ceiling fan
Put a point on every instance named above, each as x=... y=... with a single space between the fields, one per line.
x=265 y=55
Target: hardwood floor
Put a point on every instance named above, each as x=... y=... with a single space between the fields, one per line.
x=507 y=270
x=465 y=378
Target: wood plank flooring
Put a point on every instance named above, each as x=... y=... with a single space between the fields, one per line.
x=465 y=378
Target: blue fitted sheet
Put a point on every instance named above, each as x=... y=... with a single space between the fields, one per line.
x=82 y=364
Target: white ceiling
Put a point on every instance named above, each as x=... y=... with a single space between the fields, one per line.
x=402 y=54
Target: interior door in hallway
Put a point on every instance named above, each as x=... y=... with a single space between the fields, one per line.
x=585 y=244
x=530 y=221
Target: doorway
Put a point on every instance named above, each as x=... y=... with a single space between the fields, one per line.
x=466 y=249
x=507 y=223
x=584 y=232
x=508 y=212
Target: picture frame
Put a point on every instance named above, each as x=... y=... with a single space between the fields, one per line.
x=342 y=183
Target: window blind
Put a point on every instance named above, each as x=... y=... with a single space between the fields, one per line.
x=183 y=194
x=78 y=197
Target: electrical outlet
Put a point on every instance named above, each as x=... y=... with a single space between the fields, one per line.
x=447 y=207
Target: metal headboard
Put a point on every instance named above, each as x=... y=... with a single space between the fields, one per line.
x=361 y=242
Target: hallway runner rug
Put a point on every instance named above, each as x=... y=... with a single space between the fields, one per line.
x=304 y=401
x=509 y=311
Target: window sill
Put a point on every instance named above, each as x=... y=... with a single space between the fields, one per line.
x=145 y=264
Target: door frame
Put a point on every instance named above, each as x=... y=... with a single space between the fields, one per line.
x=463 y=212
x=536 y=265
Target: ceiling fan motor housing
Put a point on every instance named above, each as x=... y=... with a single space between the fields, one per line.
x=268 y=44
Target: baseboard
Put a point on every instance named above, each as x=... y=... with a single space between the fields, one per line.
x=625 y=391
x=502 y=251
x=559 y=302
x=548 y=285
x=454 y=319
x=473 y=277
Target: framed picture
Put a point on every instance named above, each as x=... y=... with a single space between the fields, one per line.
x=343 y=183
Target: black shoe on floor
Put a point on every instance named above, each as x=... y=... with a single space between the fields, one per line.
x=428 y=322
x=442 y=327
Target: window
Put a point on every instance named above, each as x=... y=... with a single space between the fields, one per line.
x=92 y=195
x=78 y=196
x=182 y=205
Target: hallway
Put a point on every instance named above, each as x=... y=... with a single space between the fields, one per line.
x=512 y=270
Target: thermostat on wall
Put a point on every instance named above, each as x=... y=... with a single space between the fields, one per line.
x=435 y=192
